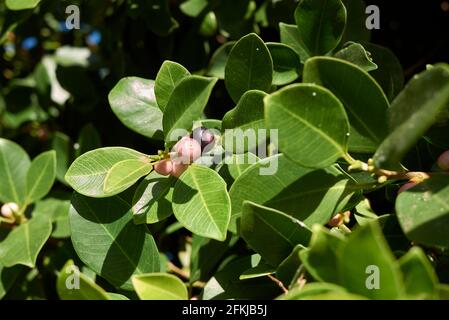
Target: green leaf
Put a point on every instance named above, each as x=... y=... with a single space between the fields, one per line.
x=419 y=276
x=234 y=165
x=107 y=241
x=225 y=284
x=193 y=8
x=89 y=139
x=314 y=132
x=206 y=255
x=7 y=278
x=74 y=285
x=271 y=233
x=124 y=174
x=356 y=54
x=287 y=65
x=64 y=152
x=321 y=259
x=168 y=77
x=22 y=4
x=14 y=165
x=40 y=176
x=389 y=73
x=201 y=203
x=365 y=258
x=24 y=243
x=87 y=173
x=321 y=24
x=364 y=100
x=289 y=270
x=186 y=104
x=159 y=286
x=57 y=210
x=152 y=200
x=423 y=212
x=249 y=67
x=261 y=270
x=291 y=36
x=311 y=196
x=246 y=118
x=134 y=102
x=412 y=113
x=218 y=60
x=116 y=296
x=355 y=29
x=311 y=290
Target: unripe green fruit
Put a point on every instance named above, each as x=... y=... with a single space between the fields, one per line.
x=443 y=161
x=9 y=209
x=407 y=186
x=164 y=167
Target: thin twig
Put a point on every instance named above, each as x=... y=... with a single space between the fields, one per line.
x=178 y=271
x=279 y=283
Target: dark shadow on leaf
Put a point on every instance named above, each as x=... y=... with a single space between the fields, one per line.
x=183 y=193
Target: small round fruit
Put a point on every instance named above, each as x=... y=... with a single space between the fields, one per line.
x=336 y=220
x=406 y=187
x=164 y=167
x=443 y=161
x=188 y=150
x=8 y=209
x=203 y=135
x=179 y=168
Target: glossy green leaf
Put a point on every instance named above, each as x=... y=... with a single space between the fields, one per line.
x=311 y=196
x=152 y=199
x=40 y=176
x=248 y=67
x=201 y=202
x=193 y=8
x=419 y=276
x=261 y=270
x=186 y=104
x=423 y=211
x=22 y=4
x=225 y=284
x=133 y=101
x=64 y=152
x=412 y=113
x=289 y=270
x=7 y=278
x=124 y=174
x=24 y=243
x=246 y=118
x=57 y=210
x=234 y=165
x=356 y=54
x=389 y=73
x=365 y=258
x=74 y=285
x=287 y=65
x=355 y=29
x=106 y=239
x=364 y=100
x=312 y=289
x=88 y=172
x=14 y=165
x=321 y=259
x=159 y=286
x=291 y=36
x=321 y=24
x=271 y=233
x=311 y=122
x=206 y=256
x=89 y=139
x=218 y=60
x=168 y=77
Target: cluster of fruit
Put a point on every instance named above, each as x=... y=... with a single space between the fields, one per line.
x=185 y=152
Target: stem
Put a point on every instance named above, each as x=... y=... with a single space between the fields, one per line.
x=279 y=283
x=349 y=159
x=178 y=271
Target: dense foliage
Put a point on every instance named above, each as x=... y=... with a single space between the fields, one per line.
x=169 y=151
